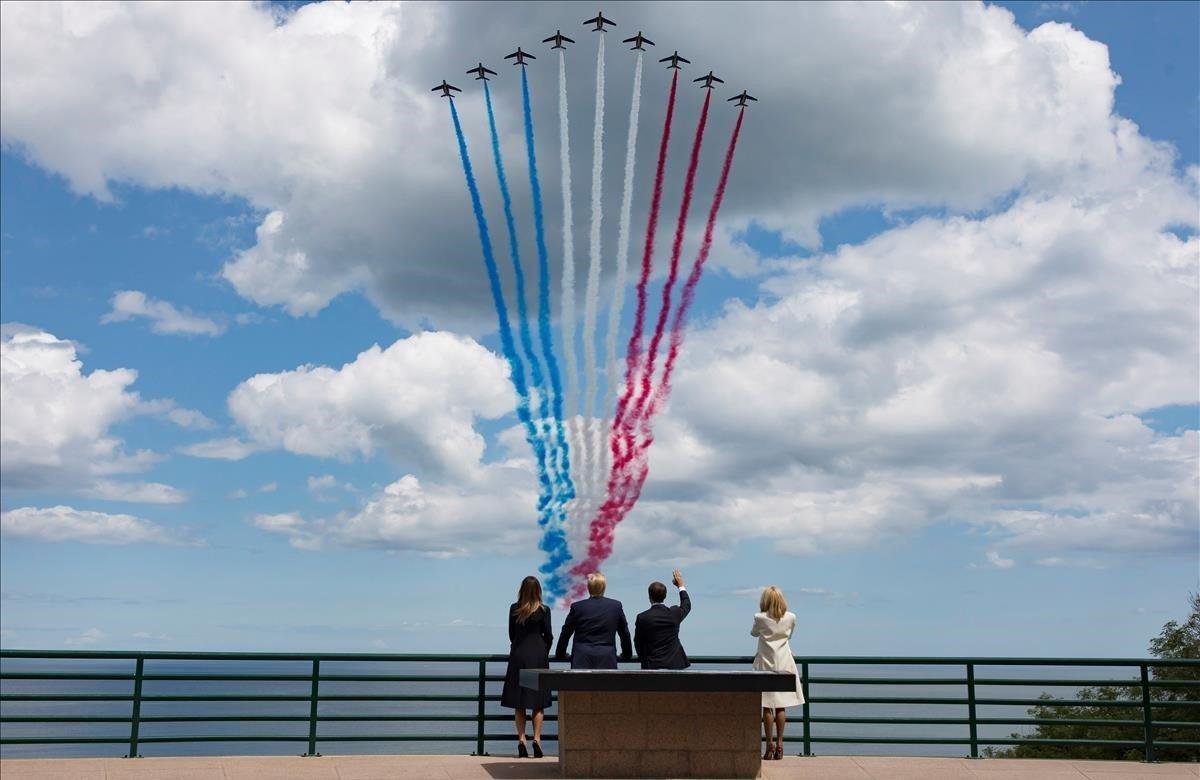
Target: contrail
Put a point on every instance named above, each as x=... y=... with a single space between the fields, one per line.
x=618 y=301
x=552 y=521
x=514 y=251
x=622 y=499
x=562 y=463
x=689 y=184
x=602 y=525
x=568 y=289
x=592 y=294
x=634 y=349
x=689 y=287
x=517 y=370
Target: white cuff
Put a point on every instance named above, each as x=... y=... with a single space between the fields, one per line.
x=682 y=588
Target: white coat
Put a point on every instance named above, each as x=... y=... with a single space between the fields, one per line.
x=775 y=655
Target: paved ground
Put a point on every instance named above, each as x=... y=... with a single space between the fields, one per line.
x=467 y=767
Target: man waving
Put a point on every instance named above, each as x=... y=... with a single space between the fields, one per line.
x=656 y=631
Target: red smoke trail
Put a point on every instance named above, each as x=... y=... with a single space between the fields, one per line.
x=689 y=287
x=689 y=185
x=623 y=438
x=622 y=498
x=634 y=350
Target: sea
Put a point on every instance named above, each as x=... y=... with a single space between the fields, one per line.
x=466 y=730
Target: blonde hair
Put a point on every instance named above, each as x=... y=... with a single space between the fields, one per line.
x=773 y=602
x=596 y=584
x=529 y=599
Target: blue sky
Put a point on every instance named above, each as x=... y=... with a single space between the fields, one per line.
x=970 y=521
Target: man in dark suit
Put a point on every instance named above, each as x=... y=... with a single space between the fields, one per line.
x=595 y=622
x=656 y=631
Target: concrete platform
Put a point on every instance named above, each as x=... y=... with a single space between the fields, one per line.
x=501 y=768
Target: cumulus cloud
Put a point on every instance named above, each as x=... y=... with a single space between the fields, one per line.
x=438 y=520
x=67 y=524
x=899 y=105
x=417 y=401
x=164 y=317
x=989 y=369
x=56 y=418
x=136 y=492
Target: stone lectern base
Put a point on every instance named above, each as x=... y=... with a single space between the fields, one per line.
x=658 y=723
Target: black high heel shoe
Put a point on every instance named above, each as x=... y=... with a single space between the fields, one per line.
x=537 y=750
x=521 y=751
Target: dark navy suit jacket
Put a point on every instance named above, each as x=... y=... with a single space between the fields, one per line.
x=656 y=635
x=595 y=624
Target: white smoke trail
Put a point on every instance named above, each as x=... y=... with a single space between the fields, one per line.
x=613 y=374
x=570 y=363
x=592 y=295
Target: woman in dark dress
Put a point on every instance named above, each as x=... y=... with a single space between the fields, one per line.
x=531 y=638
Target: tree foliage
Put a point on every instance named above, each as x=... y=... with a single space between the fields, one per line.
x=1176 y=640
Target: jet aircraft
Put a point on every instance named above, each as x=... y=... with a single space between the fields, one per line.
x=520 y=55
x=600 y=21
x=708 y=81
x=481 y=72
x=637 y=41
x=558 y=39
x=675 y=59
x=445 y=88
x=742 y=98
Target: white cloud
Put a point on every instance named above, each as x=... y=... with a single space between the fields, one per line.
x=417 y=400
x=189 y=418
x=164 y=317
x=268 y=487
x=229 y=448
x=55 y=418
x=291 y=525
x=137 y=492
x=147 y=636
x=67 y=524
x=915 y=103
x=239 y=493
x=321 y=484
x=986 y=370
x=89 y=637
x=995 y=559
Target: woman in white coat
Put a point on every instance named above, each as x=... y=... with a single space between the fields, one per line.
x=773 y=626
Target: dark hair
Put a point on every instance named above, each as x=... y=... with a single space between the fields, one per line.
x=658 y=592
x=529 y=599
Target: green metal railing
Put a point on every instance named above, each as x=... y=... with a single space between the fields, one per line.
x=815 y=710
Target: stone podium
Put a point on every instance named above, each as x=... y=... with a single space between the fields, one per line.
x=625 y=724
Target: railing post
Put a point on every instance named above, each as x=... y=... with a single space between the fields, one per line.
x=135 y=719
x=1147 y=714
x=312 y=708
x=804 y=690
x=479 y=714
x=971 y=711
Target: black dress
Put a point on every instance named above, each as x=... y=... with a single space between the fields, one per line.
x=530 y=649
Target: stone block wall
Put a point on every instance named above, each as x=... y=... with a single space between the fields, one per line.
x=624 y=734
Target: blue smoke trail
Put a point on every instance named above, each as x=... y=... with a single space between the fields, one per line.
x=506 y=339
x=566 y=488
x=514 y=251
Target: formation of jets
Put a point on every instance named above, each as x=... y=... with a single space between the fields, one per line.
x=639 y=42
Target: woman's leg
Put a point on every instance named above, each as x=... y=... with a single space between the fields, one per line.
x=520 y=725
x=768 y=719
x=538 y=717
x=780 y=719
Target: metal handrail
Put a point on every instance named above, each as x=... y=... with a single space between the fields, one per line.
x=317 y=693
